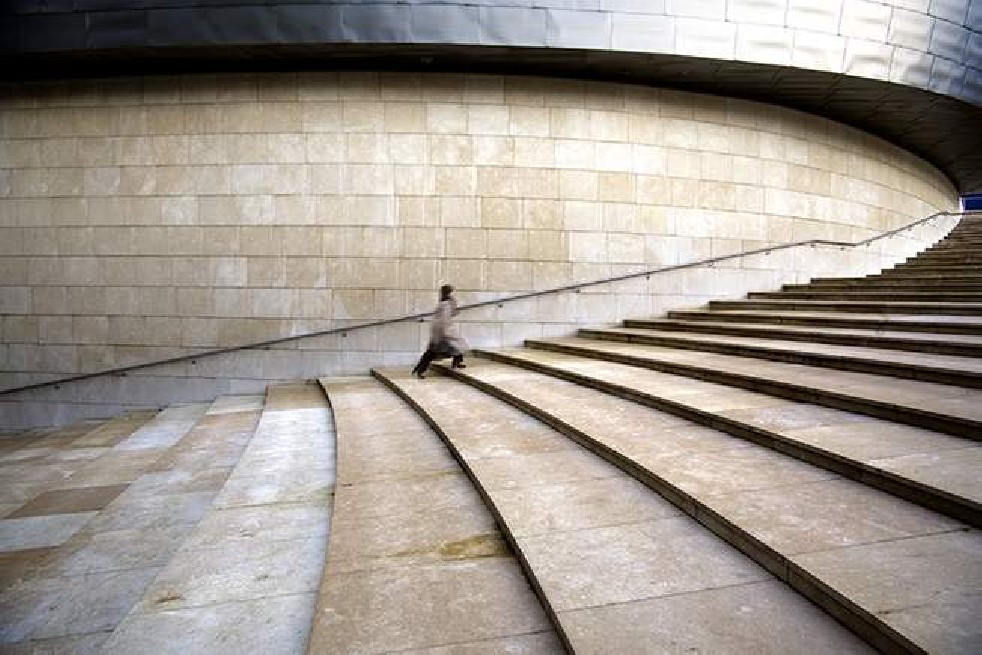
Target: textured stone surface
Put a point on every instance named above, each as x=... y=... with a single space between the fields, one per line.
x=797 y=511
x=415 y=562
x=579 y=556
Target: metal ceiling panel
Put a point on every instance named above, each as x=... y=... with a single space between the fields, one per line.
x=308 y=23
x=376 y=23
x=578 y=29
x=818 y=51
x=764 y=43
x=115 y=29
x=947 y=76
x=704 y=38
x=642 y=33
x=709 y=9
x=911 y=67
x=814 y=15
x=910 y=29
x=973 y=20
x=519 y=26
x=36 y=7
x=440 y=24
x=765 y=12
x=865 y=20
x=950 y=10
x=867 y=59
x=948 y=40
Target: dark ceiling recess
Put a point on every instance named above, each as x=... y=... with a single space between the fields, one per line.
x=100 y=38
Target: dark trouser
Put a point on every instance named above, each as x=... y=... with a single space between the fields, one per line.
x=433 y=352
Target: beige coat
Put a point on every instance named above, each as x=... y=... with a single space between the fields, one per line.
x=441 y=329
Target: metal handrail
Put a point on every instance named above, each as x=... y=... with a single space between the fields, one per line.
x=265 y=345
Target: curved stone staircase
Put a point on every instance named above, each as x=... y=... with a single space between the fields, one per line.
x=794 y=472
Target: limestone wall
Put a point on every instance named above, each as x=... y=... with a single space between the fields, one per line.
x=142 y=219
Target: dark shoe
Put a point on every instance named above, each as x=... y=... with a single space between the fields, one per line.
x=460 y=365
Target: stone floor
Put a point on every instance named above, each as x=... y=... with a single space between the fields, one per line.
x=198 y=529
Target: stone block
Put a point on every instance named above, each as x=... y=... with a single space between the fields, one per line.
x=352 y=303
x=588 y=246
x=465 y=274
x=52 y=330
x=303 y=272
x=423 y=242
x=534 y=152
x=266 y=272
x=466 y=243
x=48 y=300
x=507 y=244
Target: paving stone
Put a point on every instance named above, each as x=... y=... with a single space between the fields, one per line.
x=926 y=587
x=247 y=525
x=67 y=501
x=539 y=643
x=439 y=605
x=544 y=509
x=618 y=564
x=89 y=644
x=113 y=468
x=18 y=565
x=827 y=514
x=115 y=551
x=116 y=430
x=231 y=572
x=41 y=531
x=407 y=496
x=179 y=481
x=41 y=608
x=275 y=487
x=151 y=512
x=274 y=626
x=742 y=618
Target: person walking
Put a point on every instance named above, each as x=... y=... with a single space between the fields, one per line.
x=442 y=341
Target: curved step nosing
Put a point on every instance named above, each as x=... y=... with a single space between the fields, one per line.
x=838 y=321
x=839 y=362
x=489 y=503
x=863 y=623
x=863 y=341
x=953 y=425
x=962 y=509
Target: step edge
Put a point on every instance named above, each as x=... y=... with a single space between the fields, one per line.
x=858 y=620
x=954 y=425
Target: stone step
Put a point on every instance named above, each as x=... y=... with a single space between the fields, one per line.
x=411 y=538
x=951 y=410
x=862 y=306
x=959 y=345
x=937 y=267
x=890 y=274
x=941 y=369
x=894 y=295
x=882 y=284
x=837 y=542
x=245 y=575
x=898 y=278
x=970 y=256
x=620 y=568
x=934 y=470
x=947 y=324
